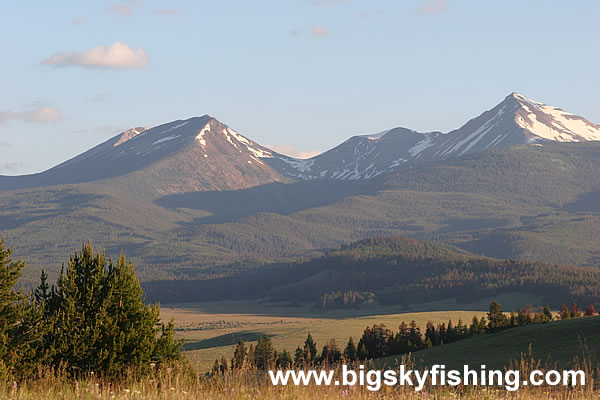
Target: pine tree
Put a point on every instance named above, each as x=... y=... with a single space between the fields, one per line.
x=350 y=352
x=482 y=325
x=330 y=354
x=239 y=355
x=476 y=328
x=298 y=357
x=264 y=353
x=100 y=322
x=42 y=293
x=20 y=321
x=362 y=351
x=497 y=320
x=284 y=361
x=310 y=350
x=547 y=313
x=415 y=338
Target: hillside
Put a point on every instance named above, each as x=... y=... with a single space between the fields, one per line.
x=557 y=341
x=392 y=271
x=527 y=202
x=519 y=202
x=193 y=199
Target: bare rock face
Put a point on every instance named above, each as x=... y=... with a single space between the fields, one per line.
x=129 y=134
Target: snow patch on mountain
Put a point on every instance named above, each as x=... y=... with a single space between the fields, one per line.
x=238 y=137
x=259 y=153
x=553 y=123
x=419 y=147
x=200 y=136
x=516 y=120
x=166 y=139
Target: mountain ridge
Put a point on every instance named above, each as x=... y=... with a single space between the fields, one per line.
x=182 y=155
x=211 y=155
x=516 y=120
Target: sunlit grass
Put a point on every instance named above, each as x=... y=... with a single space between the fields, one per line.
x=179 y=383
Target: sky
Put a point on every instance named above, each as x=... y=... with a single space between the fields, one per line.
x=299 y=76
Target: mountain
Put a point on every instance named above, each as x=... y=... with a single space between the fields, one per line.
x=204 y=154
x=196 y=154
x=193 y=199
x=516 y=120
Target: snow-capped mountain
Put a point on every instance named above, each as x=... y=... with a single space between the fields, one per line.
x=360 y=157
x=516 y=120
x=202 y=153
x=199 y=153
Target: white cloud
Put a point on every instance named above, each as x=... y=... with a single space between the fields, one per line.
x=120 y=9
x=433 y=7
x=37 y=115
x=116 y=56
x=292 y=151
x=320 y=31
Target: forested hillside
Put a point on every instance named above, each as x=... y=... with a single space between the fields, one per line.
x=532 y=202
x=393 y=270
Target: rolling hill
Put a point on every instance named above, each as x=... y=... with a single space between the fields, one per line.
x=391 y=271
x=559 y=342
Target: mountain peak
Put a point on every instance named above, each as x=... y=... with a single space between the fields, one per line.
x=553 y=123
x=129 y=134
x=519 y=98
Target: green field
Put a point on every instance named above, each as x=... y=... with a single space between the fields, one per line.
x=562 y=342
x=212 y=329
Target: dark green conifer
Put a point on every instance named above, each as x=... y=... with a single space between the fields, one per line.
x=350 y=352
x=264 y=353
x=310 y=350
x=100 y=322
x=20 y=321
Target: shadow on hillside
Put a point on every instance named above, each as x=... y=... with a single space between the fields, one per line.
x=224 y=340
x=589 y=202
x=280 y=198
x=21 y=210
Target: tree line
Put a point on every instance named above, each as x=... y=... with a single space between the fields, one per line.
x=378 y=341
x=93 y=320
x=392 y=270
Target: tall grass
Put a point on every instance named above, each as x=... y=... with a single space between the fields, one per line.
x=180 y=382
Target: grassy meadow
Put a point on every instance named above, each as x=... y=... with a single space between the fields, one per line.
x=212 y=329
x=177 y=383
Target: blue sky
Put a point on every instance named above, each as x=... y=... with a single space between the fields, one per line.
x=299 y=75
